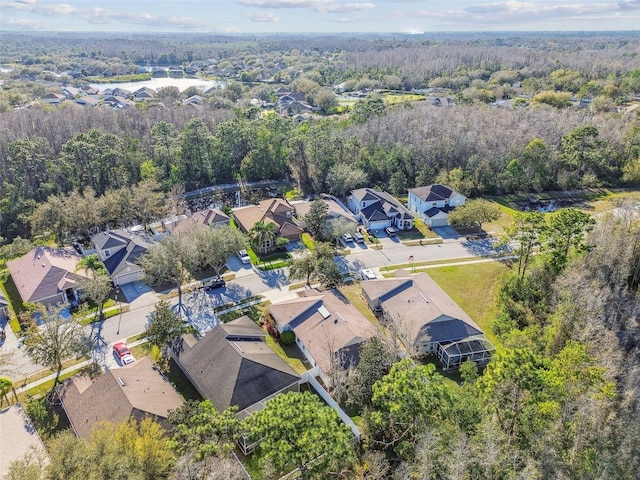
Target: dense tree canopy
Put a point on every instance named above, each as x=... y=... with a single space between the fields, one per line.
x=299 y=430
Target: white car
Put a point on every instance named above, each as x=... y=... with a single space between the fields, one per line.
x=244 y=257
x=367 y=274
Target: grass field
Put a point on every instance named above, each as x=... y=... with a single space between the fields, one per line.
x=473 y=287
x=353 y=294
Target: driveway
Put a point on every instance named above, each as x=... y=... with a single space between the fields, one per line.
x=134 y=290
x=446 y=233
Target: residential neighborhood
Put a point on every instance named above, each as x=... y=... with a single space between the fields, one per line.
x=281 y=256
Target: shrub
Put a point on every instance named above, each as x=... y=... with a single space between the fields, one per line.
x=288 y=337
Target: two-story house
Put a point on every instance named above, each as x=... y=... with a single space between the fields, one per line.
x=377 y=210
x=433 y=203
x=119 y=250
x=274 y=210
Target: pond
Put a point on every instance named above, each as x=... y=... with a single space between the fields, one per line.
x=156 y=83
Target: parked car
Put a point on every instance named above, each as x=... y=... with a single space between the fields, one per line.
x=390 y=231
x=214 y=283
x=123 y=353
x=358 y=237
x=347 y=237
x=367 y=274
x=244 y=257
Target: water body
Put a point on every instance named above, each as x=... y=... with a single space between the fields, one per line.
x=156 y=83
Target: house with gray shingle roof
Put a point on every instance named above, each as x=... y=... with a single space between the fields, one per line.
x=377 y=209
x=232 y=365
x=47 y=275
x=120 y=250
x=329 y=330
x=427 y=320
x=135 y=391
x=433 y=203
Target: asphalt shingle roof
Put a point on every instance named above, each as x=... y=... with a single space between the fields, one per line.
x=232 y=365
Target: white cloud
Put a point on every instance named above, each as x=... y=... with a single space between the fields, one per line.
x=263 y=17
x=323 y=6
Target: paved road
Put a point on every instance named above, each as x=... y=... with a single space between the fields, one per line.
x=249 y=281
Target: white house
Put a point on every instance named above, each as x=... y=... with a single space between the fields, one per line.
x=433 y=203
x=377 y=210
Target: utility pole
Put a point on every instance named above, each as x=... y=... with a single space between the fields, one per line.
x=119 y=308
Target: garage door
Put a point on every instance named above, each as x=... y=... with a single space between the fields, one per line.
x=439 y=222
x=379 y=225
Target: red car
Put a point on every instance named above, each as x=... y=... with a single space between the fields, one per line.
x=123 y=353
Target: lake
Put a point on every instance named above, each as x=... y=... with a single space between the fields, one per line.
x=156 y=83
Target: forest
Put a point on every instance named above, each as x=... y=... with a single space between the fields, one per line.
x=560 y=399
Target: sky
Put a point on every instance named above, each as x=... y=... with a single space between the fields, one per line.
x=317 y=16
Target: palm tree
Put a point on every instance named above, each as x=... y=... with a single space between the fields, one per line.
x=263 y=235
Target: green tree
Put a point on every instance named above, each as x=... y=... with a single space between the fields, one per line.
x=56 y=340
x=164 y=137
x=136 y=451
x=164 y=325
x=303 y=267
x=368 y=108
x=475 y=212
x=263 y=235
x=195 y=143
x=97 y=288
x=317 y=221
x=376 y=359
x=318 y=265
x=406 y=401
x=92 y=263
x=203 y=432
x=343 y=178
x=148 y=201
x=325 y=99
x=583 y=152
x=298 y=430
x=566 y=230
x=30 y=467
x=214 y=246
x=170 y=260
x=525 y=229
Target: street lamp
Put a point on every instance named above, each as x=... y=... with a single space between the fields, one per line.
x=119 y=308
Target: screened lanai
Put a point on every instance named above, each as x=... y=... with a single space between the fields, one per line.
x=477 y=349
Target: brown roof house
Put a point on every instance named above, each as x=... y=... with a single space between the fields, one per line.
x=210 y=217
x=329 y=330
x=427 y=320
x=232 y=365
x=274 y=210
x=47 y=275
x=134 y=391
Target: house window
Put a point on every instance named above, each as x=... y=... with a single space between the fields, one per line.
x=266 y=244
x=363 y=205
x=446 y=202
x=107 y=253
x=434 y=204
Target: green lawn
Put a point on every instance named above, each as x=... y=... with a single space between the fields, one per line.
x=473 y=287
x=289 y=353
x=353 y=293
